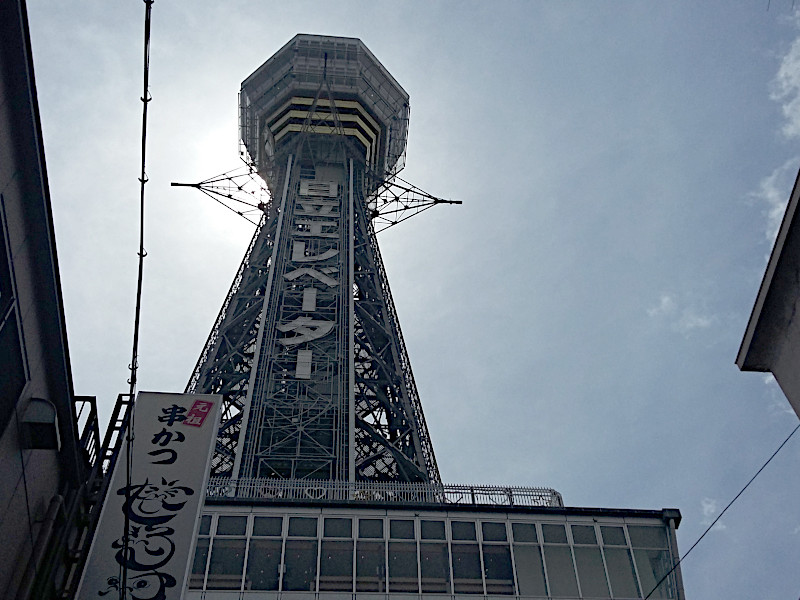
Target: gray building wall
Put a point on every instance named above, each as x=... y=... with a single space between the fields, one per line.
x=786 y=367
x=36 y=484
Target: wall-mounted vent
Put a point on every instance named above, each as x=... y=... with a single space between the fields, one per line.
x=40 y=426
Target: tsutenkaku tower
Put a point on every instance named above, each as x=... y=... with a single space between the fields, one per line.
x=307 y=350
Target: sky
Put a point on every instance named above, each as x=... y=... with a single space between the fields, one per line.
x=623 y=165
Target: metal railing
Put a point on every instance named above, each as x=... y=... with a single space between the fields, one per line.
x=89 y=427
x=389 y=492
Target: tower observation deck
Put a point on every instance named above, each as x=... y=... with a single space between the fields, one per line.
x=307 y=349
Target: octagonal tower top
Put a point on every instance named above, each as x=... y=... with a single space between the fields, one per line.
x=372 y=108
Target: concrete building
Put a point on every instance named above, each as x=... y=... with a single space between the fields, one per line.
x=46 y=462
x=771 y=341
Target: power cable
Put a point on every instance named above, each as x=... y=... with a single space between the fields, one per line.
x=134 y=366
x=710 y=527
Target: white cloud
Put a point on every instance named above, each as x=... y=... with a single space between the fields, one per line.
x=690 y=320
x=774 y=190
x=778 y=403
x=683 y=319
x=709 y=507
x=786 y=90
x=666 y=306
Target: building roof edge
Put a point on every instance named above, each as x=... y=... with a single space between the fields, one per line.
x=752 y=356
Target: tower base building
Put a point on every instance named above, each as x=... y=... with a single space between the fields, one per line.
x=386 y=550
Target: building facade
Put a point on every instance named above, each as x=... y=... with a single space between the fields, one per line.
x=382 y=551
x=47 y=463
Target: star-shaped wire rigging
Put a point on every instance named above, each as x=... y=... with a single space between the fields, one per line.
x=240 y=190
x=243 y=192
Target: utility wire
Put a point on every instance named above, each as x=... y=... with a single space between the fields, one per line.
x=134 y=366
x=710 y=527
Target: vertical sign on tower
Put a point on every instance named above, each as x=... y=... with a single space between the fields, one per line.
x=299 y=398
x=314 y=201
x=173 y=439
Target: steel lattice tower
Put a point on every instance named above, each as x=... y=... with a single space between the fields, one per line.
x=307 y=350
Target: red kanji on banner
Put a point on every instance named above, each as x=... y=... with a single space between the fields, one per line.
x=198 y=413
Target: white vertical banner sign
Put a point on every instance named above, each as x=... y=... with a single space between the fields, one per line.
x=174 y=436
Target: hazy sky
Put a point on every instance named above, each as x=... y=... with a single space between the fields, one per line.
x=574 y=324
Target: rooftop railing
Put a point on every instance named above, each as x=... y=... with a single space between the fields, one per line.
x=388 y=492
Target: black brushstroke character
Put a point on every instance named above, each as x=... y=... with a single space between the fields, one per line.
x=154 y=504
x=164 y=437
x=172 y=414
x=172 y=456
x=149 y=547
x=147 y=586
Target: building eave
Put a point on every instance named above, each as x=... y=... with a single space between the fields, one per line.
x=755 y=351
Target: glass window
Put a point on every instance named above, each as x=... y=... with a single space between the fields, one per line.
x=560 y=572
x=402 y=567
x=652 y=566
x=554 y=534
x=463 y=530
x=263 y=562
x=613 y=536
x=199 y=564
x=493 y=532
x=647 y=537
x=300 y=565
x=401 y=530
x=621 y=573
x=467 y=569
x=231 y=525
x=584 y=534
x=530 y=571
x=205 y=525
x=497 y=569
x=370 y=568
x=302 y=527
x=336 y=566
x=524 y=532
x=267 y=526
x=338 y=528
x=432 y=530
x=226 y=564
x=370 y=528
x=591 y=573
x=434 y=564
